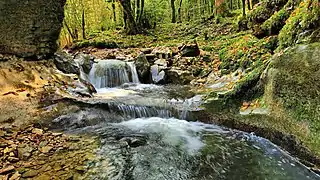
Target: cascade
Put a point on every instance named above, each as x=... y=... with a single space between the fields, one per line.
x=112 y=73
x=134 y=74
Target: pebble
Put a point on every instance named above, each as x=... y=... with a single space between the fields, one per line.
x=37 y=131
x=45 y=149
x=6 y=170
x=30 y=173
x=13 y=159
x=15 y=176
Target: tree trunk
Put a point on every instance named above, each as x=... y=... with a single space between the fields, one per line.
x=243 y=8
x=219 y=6
x=83 y=25
x=179 y=11
x=114 y=11
x=125 y=20
x=69 y=30
x=138 y=11
x=173 y=9
x=141 y=9
x=249 y=7
x=131 y=26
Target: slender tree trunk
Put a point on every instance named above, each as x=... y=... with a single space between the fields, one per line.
x=243 y=8
x=138 y=11
x=83 y=25
x=131 y=26
x=179 y=11
x=133 y=8
x=173 y=9
x=114 y=11
x=249 y=7
x=125 y=20
x=141 y=9
x=69 y=31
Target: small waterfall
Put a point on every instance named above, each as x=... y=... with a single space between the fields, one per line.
x=112 y=73
x=132 y=111
x=134 y=74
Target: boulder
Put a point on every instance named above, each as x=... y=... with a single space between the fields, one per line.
x=161 y=62
x=143 y=68
x=162 y=52
x=30 y=28
x=177 y=76
x=82 y=88
x=151 y=58
x=157 y=74
x=292 y=84
x=189 y=50
x=147 y=50
x=85 y=61
x=66 y=64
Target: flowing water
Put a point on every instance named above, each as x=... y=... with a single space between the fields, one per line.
x=144 y=135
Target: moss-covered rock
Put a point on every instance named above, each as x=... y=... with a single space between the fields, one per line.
x=263 y=12
x=303 y=23
x=292 y=90
x=274 y=24
x=101 y=44
x=245 y=51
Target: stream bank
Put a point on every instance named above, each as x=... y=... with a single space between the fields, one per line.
x=72 y=107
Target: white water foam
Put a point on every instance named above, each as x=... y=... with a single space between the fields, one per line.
x=174 y=131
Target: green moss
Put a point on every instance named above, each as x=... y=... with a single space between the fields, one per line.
x=244 y=51
x=276 y=22
x=304 y=18
x=292 y=89
x=96 y=43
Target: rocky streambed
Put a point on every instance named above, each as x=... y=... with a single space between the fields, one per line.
x=112 y=123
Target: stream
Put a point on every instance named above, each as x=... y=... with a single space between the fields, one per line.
x=148 y=132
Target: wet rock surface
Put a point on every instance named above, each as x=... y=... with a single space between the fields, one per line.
x=143 y=67
x=65 y=63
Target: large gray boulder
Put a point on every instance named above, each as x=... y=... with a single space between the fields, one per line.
x=30 y=28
